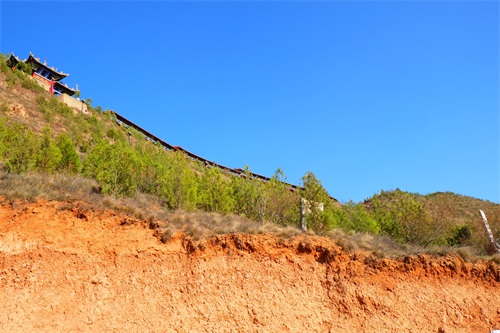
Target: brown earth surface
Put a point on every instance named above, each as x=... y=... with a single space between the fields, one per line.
x=68 y=269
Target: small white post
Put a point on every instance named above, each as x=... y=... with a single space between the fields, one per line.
x=306 y=207
x=490 y=234
x=303 y=211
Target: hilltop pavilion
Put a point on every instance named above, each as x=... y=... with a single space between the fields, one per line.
x=48 y=77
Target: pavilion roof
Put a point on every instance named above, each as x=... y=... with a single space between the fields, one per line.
x=13 y=60
x=63 y=88
x=35 y=62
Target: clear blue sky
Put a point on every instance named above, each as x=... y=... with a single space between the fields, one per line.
x=367 y=95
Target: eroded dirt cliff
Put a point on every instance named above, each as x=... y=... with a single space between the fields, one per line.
x=64 y=269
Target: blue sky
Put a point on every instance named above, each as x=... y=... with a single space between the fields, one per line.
x=367 y=95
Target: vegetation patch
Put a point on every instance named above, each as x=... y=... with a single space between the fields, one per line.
x=60 y=154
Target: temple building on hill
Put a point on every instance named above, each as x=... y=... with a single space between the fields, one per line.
x=50 y=78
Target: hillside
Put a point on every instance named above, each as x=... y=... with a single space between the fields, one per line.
x=128 y=238
x=64 y=268
x=123 y=163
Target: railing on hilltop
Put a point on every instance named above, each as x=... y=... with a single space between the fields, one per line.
x=122 y=121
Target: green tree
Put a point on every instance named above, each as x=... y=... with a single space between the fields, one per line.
x=359 y=219
x=282 y=204
x=318 y=204
x=406 y=219
x=3 y=138
x=460 y=235
x=180 y=183
x=69 y=161
x=116 y=168
x=19 y=148
x=49 y=155
x=246 y=194
x=154 y=164
x=215 y=193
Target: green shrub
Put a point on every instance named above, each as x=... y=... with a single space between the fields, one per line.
x=359 y=219
x=3 y=138
x=247 y=195
x=460 y=236
x=69 y=161
x=214 y=192
x=43 y=107
x=19 y=146
x=406 y=219
x=29 y=83
x=49 y=155
x=282 y=206
x=111 y=133
x=24 y=67
x=320 y=220
x=179 y=183
x=4 y=68
x=115 y=167
x=60 y=108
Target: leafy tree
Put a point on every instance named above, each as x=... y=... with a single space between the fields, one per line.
x=406 y=219
x=246 y=195
x=181 y=191
x=315 y=197
x=385 y=215
x=153 y=164
x=19 y=148
x=282 y=204
x=272 y=200
x=3 y=137
x=313 y=190
x=359 y=219
x=69 y=161
x=215 y=193
x=261 y=201
x=49 y=155
x=168 y=175
x=114 y=167
x=460 y=235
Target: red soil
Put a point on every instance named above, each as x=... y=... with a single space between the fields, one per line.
x=67 y=270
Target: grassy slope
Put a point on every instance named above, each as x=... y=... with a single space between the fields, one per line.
x=20 y=105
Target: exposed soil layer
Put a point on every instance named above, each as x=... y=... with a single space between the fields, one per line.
x=67 y=269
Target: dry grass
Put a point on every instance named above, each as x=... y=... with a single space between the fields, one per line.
x=385 y=247
x=76 y=189
x=33 y=186
x=199 y=225
x=381 y=246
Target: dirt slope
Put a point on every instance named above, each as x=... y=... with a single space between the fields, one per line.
x=64 y=269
